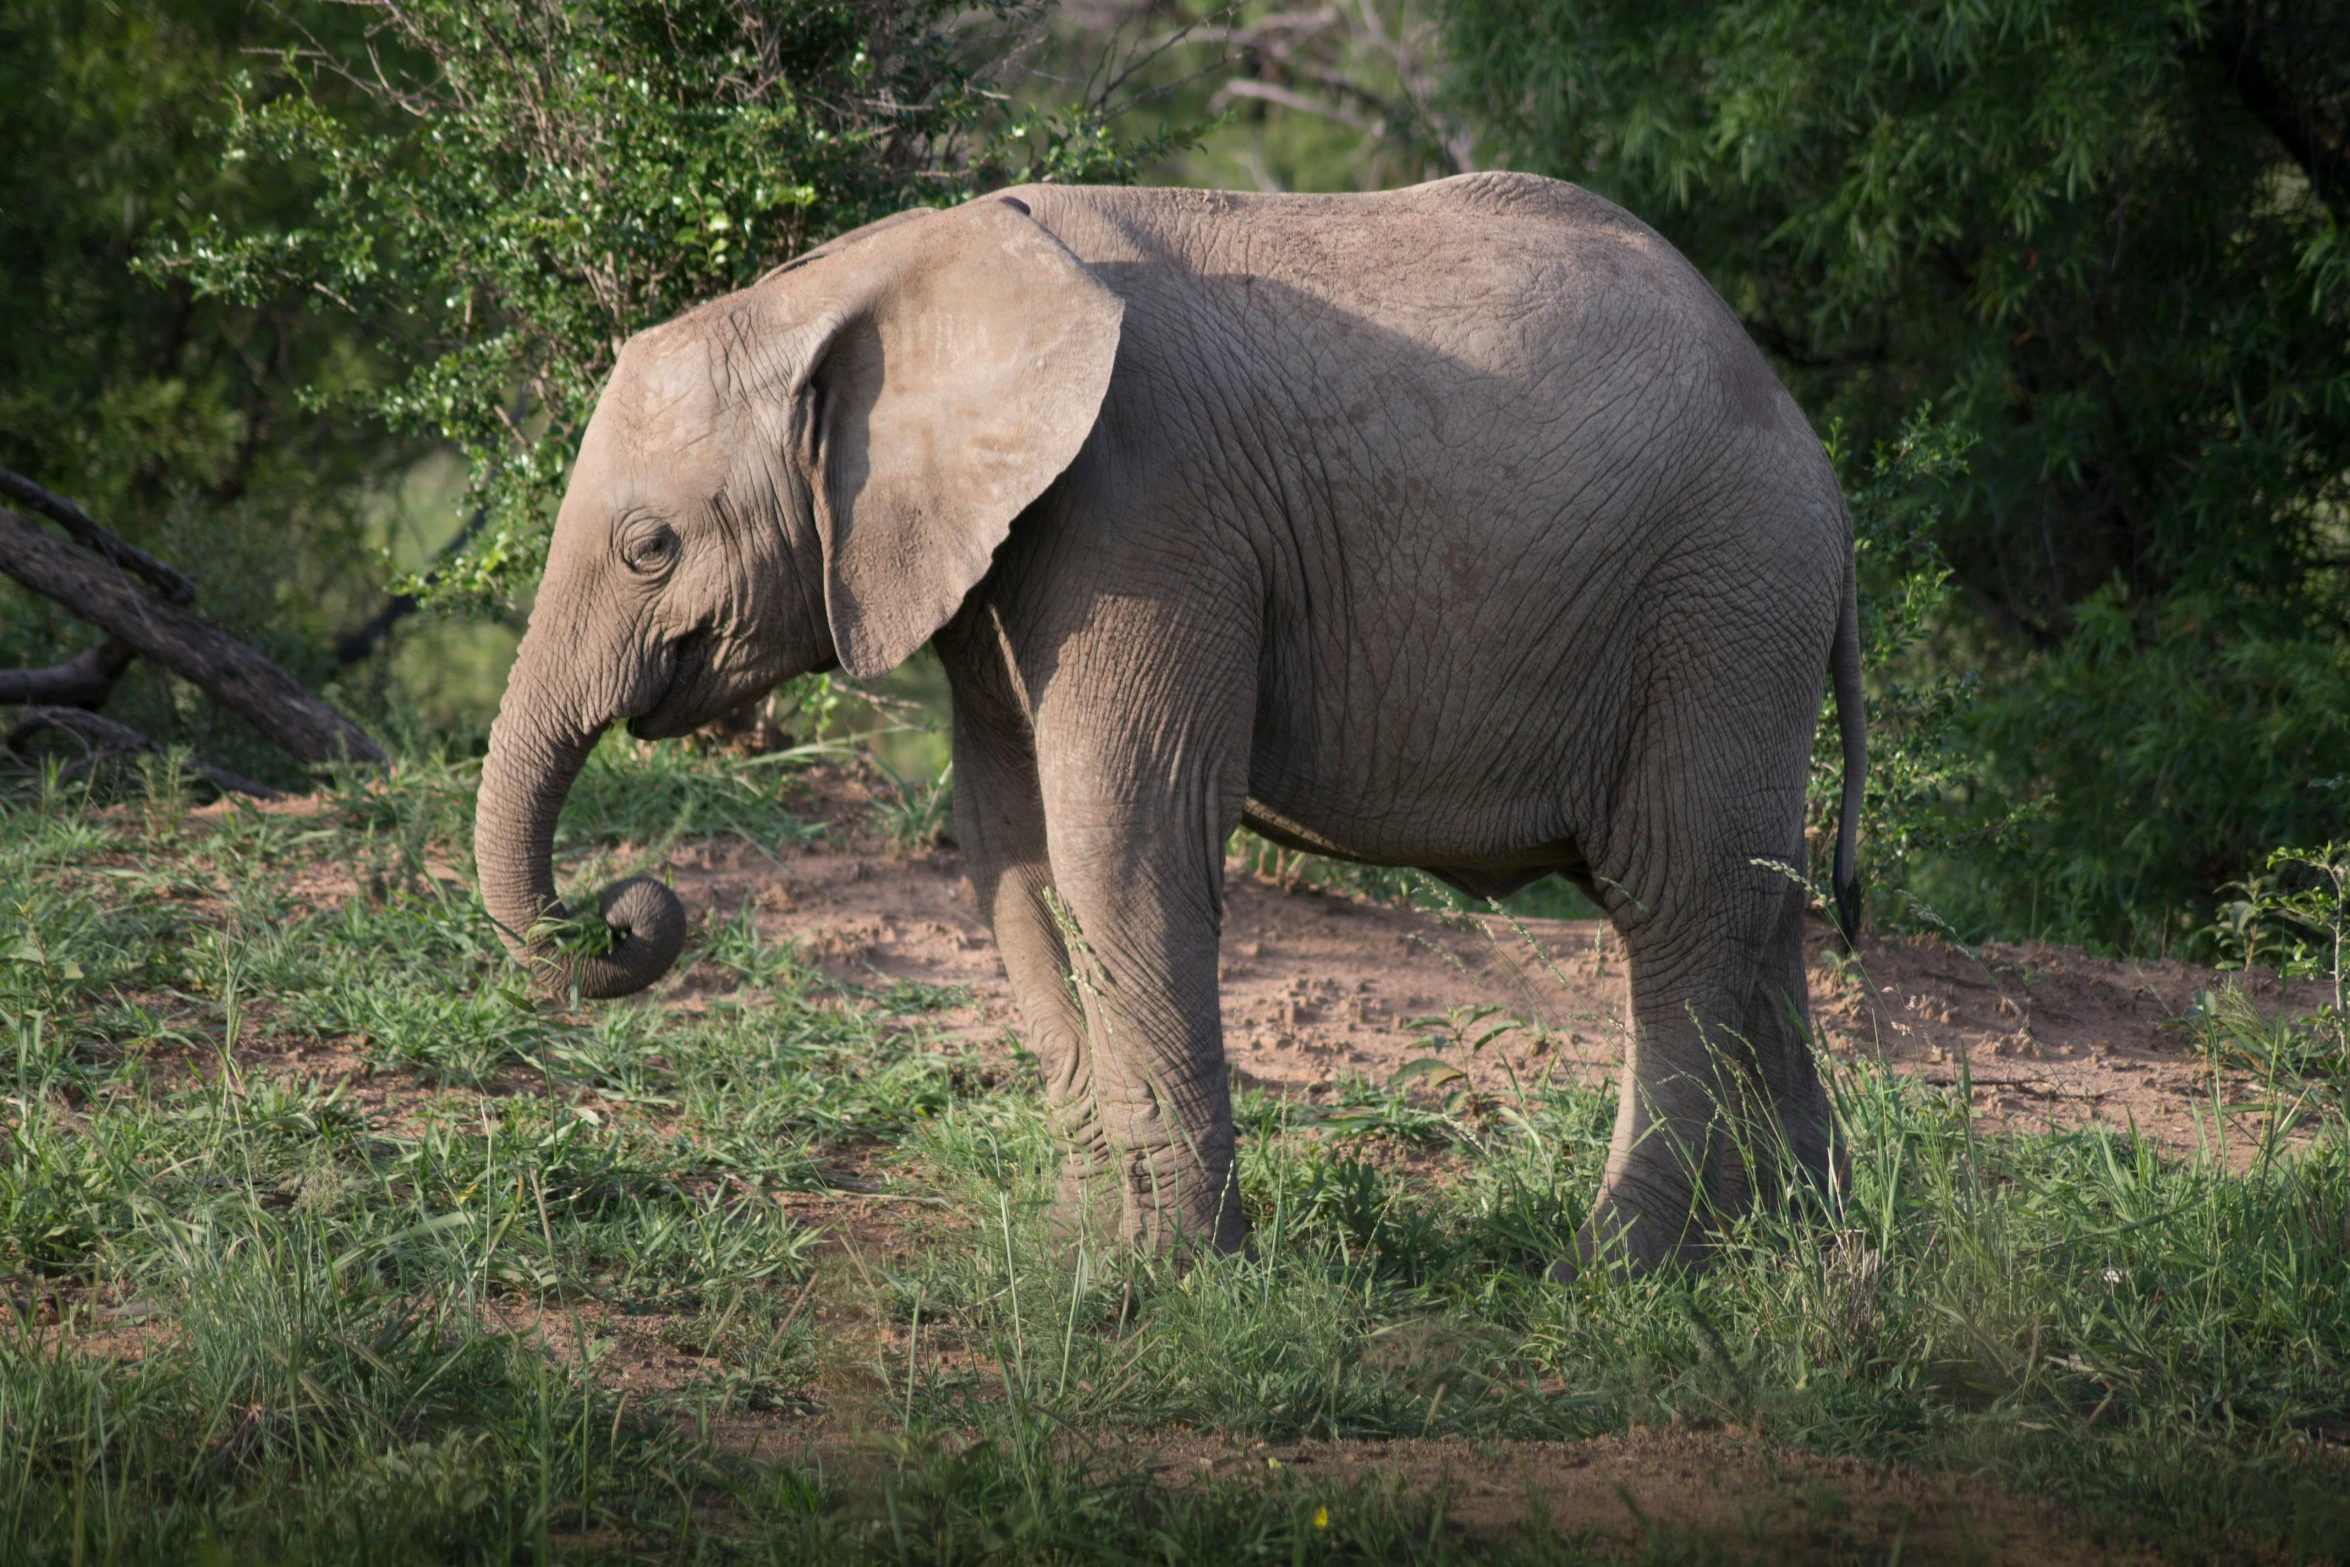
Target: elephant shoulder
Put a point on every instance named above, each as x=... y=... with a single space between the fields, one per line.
x=1503 y=194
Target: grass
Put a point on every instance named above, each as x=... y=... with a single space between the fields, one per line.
x=321 y=1240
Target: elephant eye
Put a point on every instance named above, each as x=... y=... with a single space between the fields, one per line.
x=649 y=548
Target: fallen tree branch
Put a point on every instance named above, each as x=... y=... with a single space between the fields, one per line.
x=85 y=680
x=102 y=737
x=229 y=671
x=174 y=584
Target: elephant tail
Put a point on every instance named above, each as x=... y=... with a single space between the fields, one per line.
x=1852 y=724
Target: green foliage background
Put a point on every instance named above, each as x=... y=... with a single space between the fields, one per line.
x=262 y=263
x=176 y=417
x=2104 y=239
x=536 y=180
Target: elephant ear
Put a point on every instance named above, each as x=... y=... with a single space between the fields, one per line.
x=959 y=371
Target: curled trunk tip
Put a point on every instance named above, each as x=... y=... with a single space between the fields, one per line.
x=646 y=929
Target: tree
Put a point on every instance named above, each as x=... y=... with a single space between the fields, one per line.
x=558 y=174
x=175 y=417
x=2106 y=239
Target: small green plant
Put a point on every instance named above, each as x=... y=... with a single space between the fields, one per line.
x=915 y=814
x=572 y=935
x=2294 y=917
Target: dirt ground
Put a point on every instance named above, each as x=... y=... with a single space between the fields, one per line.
x=1318 y=986
x=1722 y=1494
x=1753 y=1502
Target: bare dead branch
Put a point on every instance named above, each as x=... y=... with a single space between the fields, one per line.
x=85 y=680
x=168 y=580
x=228 y=670
x=1266 y=92
x=356 y=644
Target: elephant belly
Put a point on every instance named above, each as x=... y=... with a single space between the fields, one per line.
x=1490 y=856
x=1480 y=759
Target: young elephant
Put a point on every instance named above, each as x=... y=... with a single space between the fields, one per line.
x=1458 y=527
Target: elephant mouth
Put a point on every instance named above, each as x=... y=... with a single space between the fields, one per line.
x=651 y=727
x=699 y=690
x=689 y=697
x=667 y=720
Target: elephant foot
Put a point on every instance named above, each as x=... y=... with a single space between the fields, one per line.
x=1089 y=1206
x=1801 y=1169
x=1624 y=1237
x=1823 y=1165
x=1180 y=1228
x=1590 y=1250
x=1100 y=1206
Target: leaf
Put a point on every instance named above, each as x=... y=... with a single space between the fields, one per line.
x=1492 y=1034
x=400 y=1237
x=1436 y=1073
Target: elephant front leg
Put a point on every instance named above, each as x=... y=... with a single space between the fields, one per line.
x=1130 y=769
x=999 y=820
x=1161 y=1099
x=1140 y=887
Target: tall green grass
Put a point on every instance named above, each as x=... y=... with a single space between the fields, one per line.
x=257 y=1312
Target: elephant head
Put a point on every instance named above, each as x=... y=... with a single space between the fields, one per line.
x=811 y=473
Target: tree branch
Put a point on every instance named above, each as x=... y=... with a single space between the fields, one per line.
x=356 y=644
x=232 y=673
x=85 y=680
x=2317 y=146
x=174 y=584
x=1267 y=92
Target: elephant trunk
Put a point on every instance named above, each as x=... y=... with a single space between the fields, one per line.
x=531 y=767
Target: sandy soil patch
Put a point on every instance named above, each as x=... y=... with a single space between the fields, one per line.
x=1318 y=986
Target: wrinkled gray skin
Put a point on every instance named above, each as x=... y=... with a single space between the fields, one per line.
x=1459 y=527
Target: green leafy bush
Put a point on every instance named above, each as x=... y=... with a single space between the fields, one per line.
x=177 y=419
x=1920 y=771
x=2104 y=239
x=558 y=174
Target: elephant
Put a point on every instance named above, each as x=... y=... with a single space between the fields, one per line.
x=1458 y=527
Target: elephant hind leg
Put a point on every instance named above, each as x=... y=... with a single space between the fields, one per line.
x=1808 y=1156
x=1696 y=1122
